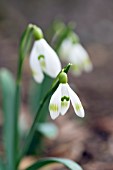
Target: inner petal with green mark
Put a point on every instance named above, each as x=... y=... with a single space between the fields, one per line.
x=78 y=106
x=54 y=107
x=64 y=103
x=66 y=98
x=41 y=59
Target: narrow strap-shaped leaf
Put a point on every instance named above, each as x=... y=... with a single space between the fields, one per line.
x=2 y=166
x=8 y=90
x=66 y=162
x=37 y=92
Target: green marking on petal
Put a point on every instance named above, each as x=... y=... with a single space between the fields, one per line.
x=43 y=64
x=41 y=59
x=78 y=107
x=34 y=72
x=64 y=104
x=53 y=107
x=65 y=98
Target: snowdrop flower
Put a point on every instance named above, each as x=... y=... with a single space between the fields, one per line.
x=77 y=55
x=60 y=100
x=44 y=59
x=80 y=59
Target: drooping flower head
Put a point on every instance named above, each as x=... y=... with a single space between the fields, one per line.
x=44 y=59
x=74 y=52
x=67 y=44
x=60 y=100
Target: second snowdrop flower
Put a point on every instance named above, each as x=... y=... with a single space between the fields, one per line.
x=60 y=100
x=76 y=54
x=44 y=59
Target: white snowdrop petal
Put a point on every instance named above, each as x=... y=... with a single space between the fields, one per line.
x=40 y=46
x=50 y=63
x=65 y=49
x=84 y=57
x=53 y=65
x=81 y=51
x=75 y=55
x=76 y=69
x=35 y=65
x=75 y=59
x=88 y=66
x=76 y=103
x=65 y=100
x=54 y=106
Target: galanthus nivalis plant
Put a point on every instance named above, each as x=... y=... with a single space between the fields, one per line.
x=43 y=59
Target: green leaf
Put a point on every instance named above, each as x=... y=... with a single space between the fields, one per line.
x=37 y=92
x=2 y=166
x=48 y=130
x=34 y=96
x=8 y=91
x=66 y=162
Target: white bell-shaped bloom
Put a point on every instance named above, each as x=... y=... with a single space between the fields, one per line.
x=44 y=59
x=83 y=58
x=60 y=101
x=75 y=54
x=80 y=59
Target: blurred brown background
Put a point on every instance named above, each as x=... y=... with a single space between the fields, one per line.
x=94 y=20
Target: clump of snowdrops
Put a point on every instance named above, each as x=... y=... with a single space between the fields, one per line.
x=53 y=93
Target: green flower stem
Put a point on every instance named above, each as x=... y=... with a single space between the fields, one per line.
x=25 y=44
x=24 y=47
x=37 y=118
x=37 y=94
x=63 y=31
x=64 y=34
x=38 y=114
x=16 y=110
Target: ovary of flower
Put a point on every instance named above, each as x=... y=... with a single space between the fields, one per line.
x=60 y=101
x=44 y=59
